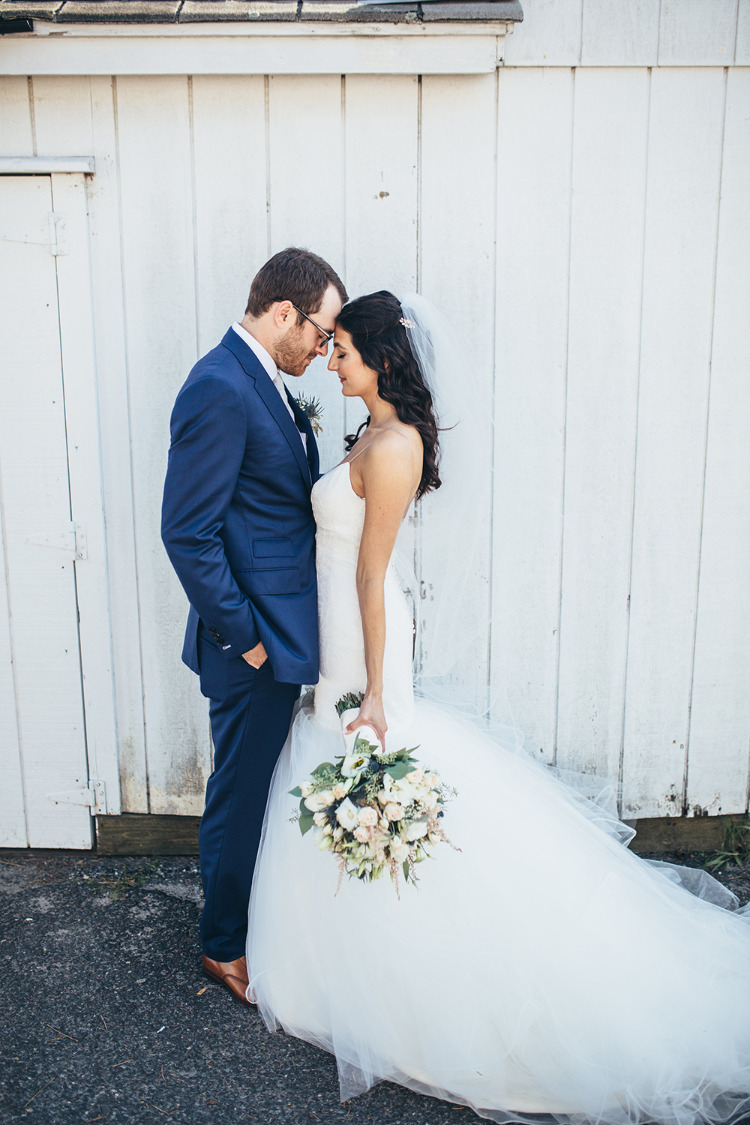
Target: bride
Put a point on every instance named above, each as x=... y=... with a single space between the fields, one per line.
x=543 y=968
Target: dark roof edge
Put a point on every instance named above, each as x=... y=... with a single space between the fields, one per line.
x=20 y=12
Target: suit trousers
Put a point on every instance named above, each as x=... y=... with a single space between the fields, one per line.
x=250 y=716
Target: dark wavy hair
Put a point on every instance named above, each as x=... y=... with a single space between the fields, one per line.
x=374 y=324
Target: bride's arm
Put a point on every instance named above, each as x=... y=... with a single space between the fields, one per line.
x=387 y=471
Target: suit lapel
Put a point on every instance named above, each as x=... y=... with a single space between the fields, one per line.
x=271 y=398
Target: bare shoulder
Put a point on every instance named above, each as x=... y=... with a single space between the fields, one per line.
x=400 y=446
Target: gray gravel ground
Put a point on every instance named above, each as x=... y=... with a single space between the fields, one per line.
x=107 y=1017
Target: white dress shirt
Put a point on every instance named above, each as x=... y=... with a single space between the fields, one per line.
x=274 y=375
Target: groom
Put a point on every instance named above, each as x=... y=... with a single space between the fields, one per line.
x=238 y=528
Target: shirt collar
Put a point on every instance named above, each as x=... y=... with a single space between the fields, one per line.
x=258 y=350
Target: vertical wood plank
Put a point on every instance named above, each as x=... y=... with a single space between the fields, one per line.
x=12 y=799
x=117 y=475
x=157 y=234
x=620 y=32
x=84 y=468
x=683 y=182
x=550 y=35
x=692 y=35
x=459 y=116
x=16 y=137
x=36 y=524
x=381 y=155
x=742 y=46
x=63 y=116
x=306 y=192
x=231 y=238
x=720 y=712
x=609 y=177
x=534 y=154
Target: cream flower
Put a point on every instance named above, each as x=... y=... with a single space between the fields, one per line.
x=361 y=834
x=317 y=801
x=346 y=814
x=417 y=829
x=392 y=811
x=368 y=817
x=354 y=764
x=415 y=777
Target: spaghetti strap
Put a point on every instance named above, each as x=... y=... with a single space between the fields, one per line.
x=349 y=460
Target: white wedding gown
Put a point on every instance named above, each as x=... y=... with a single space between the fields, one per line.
x=542 y=970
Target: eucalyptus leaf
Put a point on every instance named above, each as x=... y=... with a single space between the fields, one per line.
x=296 y=792
x=398 y=770
x=305 y=824
x=407 y=872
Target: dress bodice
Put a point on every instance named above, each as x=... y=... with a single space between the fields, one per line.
x=340 y=518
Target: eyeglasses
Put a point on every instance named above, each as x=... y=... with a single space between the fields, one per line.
x=327 y=336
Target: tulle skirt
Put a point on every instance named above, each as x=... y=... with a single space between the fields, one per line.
x=543 y=969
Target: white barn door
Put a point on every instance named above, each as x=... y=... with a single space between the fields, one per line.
x=42 y=728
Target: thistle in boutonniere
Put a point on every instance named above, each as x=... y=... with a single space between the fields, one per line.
x=312 y=410
x=374 y=810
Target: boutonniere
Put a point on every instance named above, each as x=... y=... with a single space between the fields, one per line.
x=312 y=410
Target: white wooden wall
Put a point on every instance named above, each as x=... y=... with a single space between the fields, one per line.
x=582 y=216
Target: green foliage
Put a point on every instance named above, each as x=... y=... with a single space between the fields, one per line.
x=735 y=846
x=347 y=702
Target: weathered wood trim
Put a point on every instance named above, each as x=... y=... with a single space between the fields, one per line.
x=42 y=165
x=138 y=834
x=299 y=54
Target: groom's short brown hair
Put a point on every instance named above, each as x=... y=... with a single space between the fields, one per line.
x=295 y=275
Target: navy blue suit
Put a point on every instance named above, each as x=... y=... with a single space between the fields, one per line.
x=238 y=528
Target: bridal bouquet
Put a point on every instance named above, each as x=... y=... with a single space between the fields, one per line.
x=371 y=809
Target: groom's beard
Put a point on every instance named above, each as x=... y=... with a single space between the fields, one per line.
x=292 y=355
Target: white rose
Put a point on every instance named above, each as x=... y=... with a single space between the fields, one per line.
x=318 y=801
x=361 y=834
x=399 y=850
x=368 y=817
x=415 y=777
x=346 y=814
x=320 y=819
x=392 y=811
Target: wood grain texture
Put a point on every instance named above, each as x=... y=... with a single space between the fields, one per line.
x=16 y=134
x=457 y=267
x=686 y=121
x=690 y=34
x=742 y=46
x=620 y=32
x=720 y=712
x=534 y=177
x=36 y=522
x=116 y=461
x=307 y=208
x=159 y=281
x=550 y=35
x=229 y=161
x=609 y=187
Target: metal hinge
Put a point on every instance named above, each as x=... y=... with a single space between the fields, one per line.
x=92 y=795
x=58 y=234
x=71 y=538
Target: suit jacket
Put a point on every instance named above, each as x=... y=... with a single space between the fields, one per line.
x=236 y=518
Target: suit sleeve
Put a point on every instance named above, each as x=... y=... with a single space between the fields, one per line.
x=208 y=437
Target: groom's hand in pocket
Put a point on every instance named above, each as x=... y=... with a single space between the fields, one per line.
x=256 y=656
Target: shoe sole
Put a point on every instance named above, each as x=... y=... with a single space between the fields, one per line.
x=217 y=980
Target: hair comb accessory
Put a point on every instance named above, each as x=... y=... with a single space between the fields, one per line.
x=406 y=323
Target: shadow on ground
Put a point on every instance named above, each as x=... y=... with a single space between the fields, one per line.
x=107 y=1017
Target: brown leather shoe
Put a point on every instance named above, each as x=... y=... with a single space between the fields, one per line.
x=232 y=975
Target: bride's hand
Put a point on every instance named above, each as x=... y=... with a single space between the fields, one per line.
x=371 y=714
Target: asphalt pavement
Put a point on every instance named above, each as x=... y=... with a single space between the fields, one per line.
x=106 y=1016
